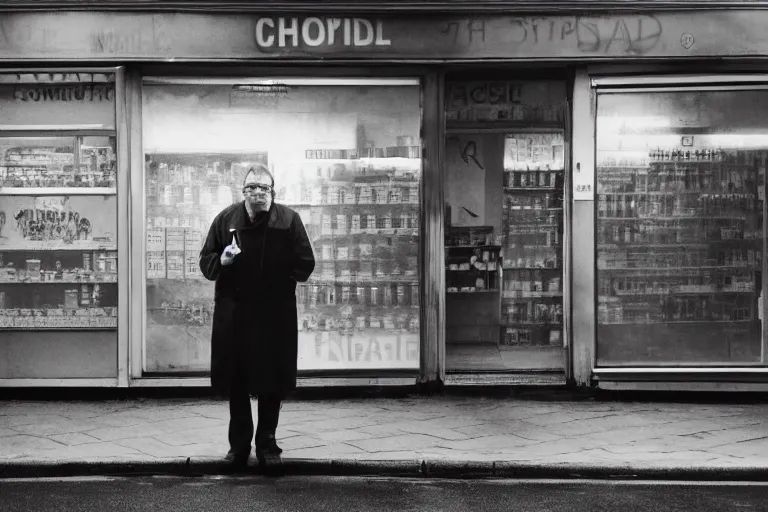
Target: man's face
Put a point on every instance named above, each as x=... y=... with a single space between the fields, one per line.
x=257 y=191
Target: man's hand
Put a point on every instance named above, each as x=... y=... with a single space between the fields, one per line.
x=230 y=251
x=228 y=256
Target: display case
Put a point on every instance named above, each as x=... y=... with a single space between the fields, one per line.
x=58 y=225
x=680 y=230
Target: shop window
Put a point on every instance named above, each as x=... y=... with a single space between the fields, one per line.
x=59 y=226
x=680 y=228
x=200 y=156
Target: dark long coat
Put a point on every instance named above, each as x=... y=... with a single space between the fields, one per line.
x=254 y=314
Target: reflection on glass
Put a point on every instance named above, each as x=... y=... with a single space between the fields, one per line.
x=360 y=308
x=346 y=158
x=55 y=162
x=680 y=184
x=97 y=165
x=184 y=192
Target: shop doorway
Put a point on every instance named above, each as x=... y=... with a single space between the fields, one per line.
x=505 y=196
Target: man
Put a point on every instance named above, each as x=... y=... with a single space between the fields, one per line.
x=256 y=251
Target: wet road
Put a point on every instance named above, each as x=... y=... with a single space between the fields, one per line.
x=234 y=494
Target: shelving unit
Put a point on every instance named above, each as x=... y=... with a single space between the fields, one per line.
x=532 y=297
x=184 y=192
x=473 y=279
x=361 y=211
x=361 y=214
x=679 y=252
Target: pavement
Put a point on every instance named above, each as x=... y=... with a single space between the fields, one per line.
x=427 y=436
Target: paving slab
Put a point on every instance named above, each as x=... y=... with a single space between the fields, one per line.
x=429 y=435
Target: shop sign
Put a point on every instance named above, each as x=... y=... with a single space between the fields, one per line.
x=294 y=32
x=109 y=36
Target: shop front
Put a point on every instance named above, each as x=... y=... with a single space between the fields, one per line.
x=499 y=199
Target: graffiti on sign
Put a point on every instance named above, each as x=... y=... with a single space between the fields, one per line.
x=126 y=41
x=610 y=34
x=464 y=31
x=630 y=34
x=19 y=35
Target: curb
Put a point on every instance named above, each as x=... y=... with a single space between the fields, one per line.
x=438 y=469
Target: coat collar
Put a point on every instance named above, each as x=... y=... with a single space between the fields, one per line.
x=241 y=220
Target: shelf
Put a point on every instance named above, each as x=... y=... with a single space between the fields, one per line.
x=373 y=232
x=658 y=218
x=468 y=293
x=532 y=189
x=677 y=245
x=360 y=280
x=474 y=270
x=347 y=205
x=111 y=280
x=63 y=191
x=559 y=269
x=742 y=195
x=698 y=162
x=675 y=292
x=63 y=327
x=531 y=209
x=345 y=261
x=681 y=269
x=59 y=245
x=62 y=319
x=57 y=129
x=368 y=309
x=515 y=294
x=557 y=325
x=524 y=126
x=679 y=322
x=473 y=247
x=368 y=159
x=524 y=247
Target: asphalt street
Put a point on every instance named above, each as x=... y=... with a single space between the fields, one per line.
x=234 y=494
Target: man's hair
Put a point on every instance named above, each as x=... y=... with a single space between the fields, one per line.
x=258 y=170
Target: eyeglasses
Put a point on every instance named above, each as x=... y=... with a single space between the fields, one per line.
x=254 y=187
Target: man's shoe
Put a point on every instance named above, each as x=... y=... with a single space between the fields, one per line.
x=238 y=458
x=267 y=450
